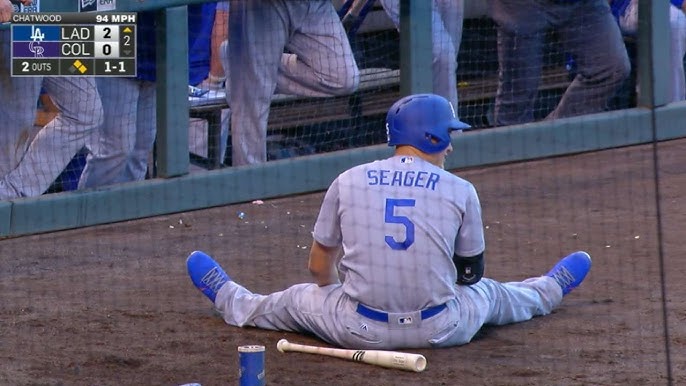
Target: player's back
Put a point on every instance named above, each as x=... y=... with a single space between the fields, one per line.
x=400 y=218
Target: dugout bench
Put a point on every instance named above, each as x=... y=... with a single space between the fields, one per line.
x=288 y=111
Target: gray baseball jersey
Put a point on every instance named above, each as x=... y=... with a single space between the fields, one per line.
x=400 y=220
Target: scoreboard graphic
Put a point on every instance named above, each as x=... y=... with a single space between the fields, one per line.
x=74 y=44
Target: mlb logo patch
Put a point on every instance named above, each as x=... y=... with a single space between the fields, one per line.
x=405 y=320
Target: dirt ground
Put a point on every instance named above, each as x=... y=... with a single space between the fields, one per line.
x=113 y=305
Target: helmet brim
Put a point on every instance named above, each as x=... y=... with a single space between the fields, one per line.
x=457 y=125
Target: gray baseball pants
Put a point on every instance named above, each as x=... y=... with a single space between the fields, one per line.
x=587 y=31
x=29 y=169
x=319 y=63
x=121 y=149
x=446 y=27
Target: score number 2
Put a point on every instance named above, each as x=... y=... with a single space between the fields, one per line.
x=390 y=217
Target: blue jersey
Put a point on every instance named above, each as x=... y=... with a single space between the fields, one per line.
x=200 y=23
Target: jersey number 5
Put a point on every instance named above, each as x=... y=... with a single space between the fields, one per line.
x=390 y=217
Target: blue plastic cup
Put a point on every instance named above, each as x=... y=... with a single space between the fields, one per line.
x=251 y=359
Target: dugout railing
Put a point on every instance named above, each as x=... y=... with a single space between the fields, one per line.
x=177 y=190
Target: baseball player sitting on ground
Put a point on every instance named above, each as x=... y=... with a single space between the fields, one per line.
x=412 y=261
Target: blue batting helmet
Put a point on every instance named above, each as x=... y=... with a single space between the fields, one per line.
x=423 y=121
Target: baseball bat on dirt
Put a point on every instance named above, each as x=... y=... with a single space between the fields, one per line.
x=390 y=359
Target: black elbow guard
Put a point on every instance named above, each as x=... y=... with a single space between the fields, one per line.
x=469 y=269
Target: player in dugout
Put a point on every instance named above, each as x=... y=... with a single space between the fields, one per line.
x=407 y=239
x=121 y=150
x=29 y=167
